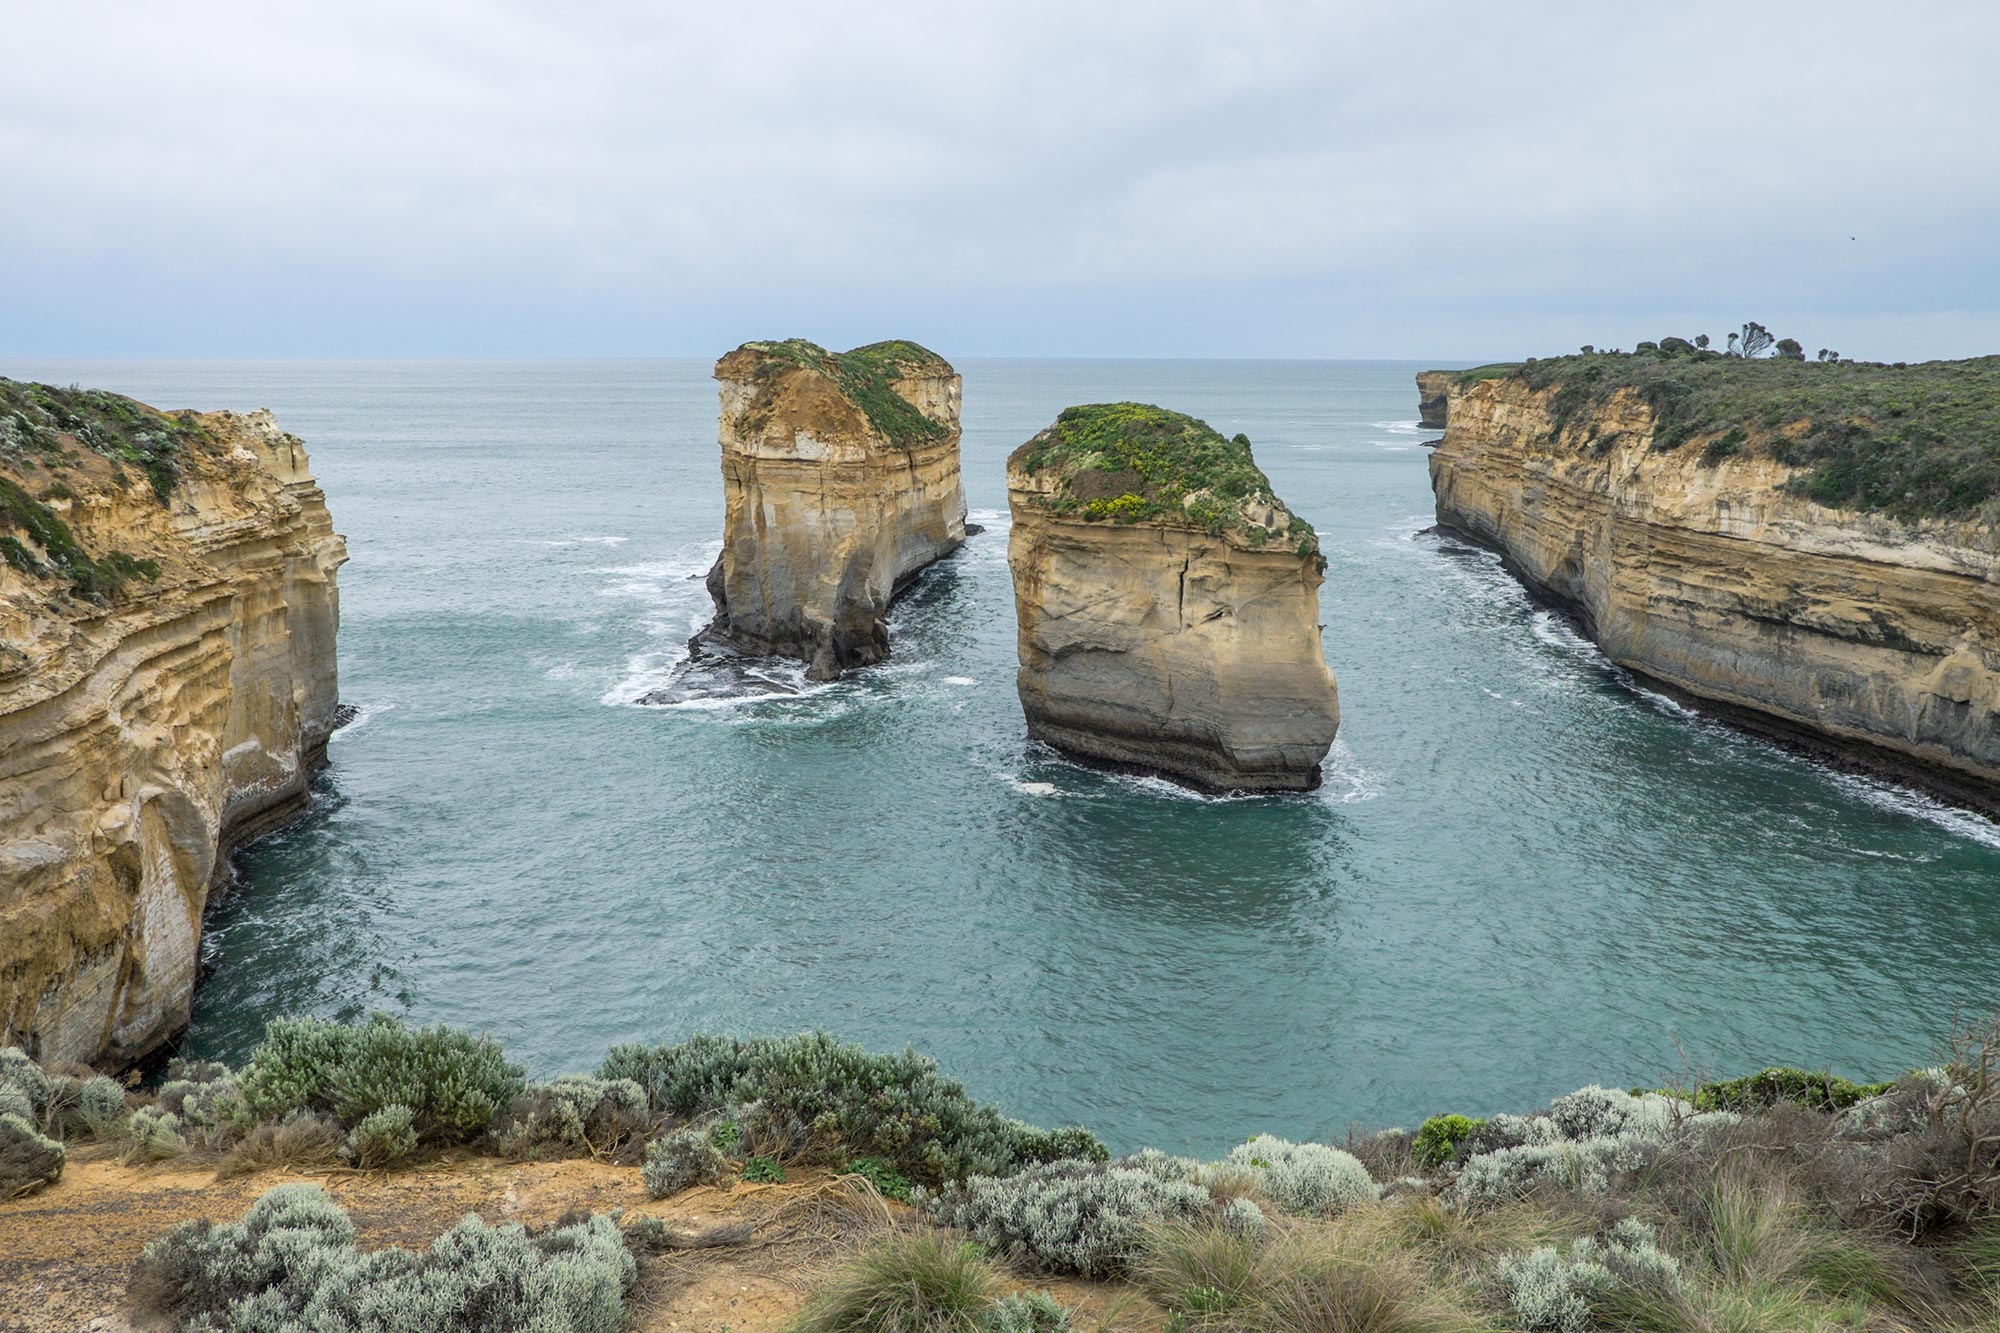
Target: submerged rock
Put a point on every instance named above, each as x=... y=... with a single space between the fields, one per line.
x=167 y=687
x=1167 y=604
x=841 y=483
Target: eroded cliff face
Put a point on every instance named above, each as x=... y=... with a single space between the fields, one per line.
x=841 y=482
x=1163 y=646
x=1433 y=398
x=1856 y=631
x=145 y=733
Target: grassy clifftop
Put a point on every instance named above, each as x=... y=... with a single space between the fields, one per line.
x=1134 y=462
x=1914 y=441
x=867 y=376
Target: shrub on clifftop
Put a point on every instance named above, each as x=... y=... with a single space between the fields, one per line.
x=453 y=1083
x=830 y=1095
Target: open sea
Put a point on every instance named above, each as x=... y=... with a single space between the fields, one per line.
x=1522 y=875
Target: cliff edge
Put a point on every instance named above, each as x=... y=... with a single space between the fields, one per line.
x=841 y=482
x=1812 y=546
x=1167 y=604
x=167 y=687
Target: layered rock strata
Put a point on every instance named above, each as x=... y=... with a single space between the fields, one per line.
x=167 y=687
x=1167 y=604
x=841 y=483
x=1700 y=565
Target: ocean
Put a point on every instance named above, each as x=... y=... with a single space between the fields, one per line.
x=1524 y=873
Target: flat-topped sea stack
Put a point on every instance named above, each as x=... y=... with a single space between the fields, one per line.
x=841 y=483
x=1812 y=546
x=1433 y=398
x=167 y=687
x=1167 y=604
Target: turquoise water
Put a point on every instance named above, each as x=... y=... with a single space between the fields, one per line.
x=1522 y=875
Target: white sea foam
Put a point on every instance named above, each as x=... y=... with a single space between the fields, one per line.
x=1400 y=427
x=1345 y=779
x=960 y=680
x=1904 y=801
x=575 y=541
x=363 y=715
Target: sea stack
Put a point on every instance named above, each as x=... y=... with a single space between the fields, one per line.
x=1434 y=398
x=167 y=687
x=841 y=483
x=1167 y=604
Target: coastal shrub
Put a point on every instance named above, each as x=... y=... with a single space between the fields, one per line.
x=301 y=1139
x=1437 y=1139
x=763 y=1171
x=99 y=1103
x=28 y=1158
x=292 y=1264
x=574 y=1115
x=1553 y=1291
x=838 y=1096
x=681 y=1159
x=887 y=1180
x=1308 y=1178
x=1026 y=1312
x=152 y=1135
x=1242 y=1217
x=203 y=1096
x=1781 y=1083
x=1582 y=1166
x=1077 y=1216
x=24 y=1088
x=453 y=1083
x=383 y=1138
x=908 y=1282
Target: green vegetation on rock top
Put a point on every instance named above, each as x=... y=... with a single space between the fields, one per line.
x=1134 y=462
x=868 y=375
x=41 y=424
x=1913 y=441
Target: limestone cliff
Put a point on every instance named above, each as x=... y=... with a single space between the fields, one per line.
x=1694 y=555
x=840 y=483
x=1433 y=398
x=1167 y=604
x=166 y=690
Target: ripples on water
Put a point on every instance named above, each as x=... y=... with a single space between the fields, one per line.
x=1523 y=872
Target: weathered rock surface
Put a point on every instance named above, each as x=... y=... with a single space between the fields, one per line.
x=143 y=734
x=1433 y=398
x=841 y=483
x=1863 y=635
x=1167 y=604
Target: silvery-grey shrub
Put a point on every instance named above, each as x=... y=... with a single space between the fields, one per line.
x=1551 y=1291
x=574 y=1113
x=1075 y=1216
x=1585 y=1138
x=152 y=1135
x=27 y=1156
x=1308 y=1178
x=678 y=1160
x=24 y=1088
x=1242 y=1217
x=1026 y=1312
x=291 y=1266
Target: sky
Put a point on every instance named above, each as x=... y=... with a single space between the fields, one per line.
x=1393 y=179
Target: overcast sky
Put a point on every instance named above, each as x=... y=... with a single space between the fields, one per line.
x=1437 y=180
